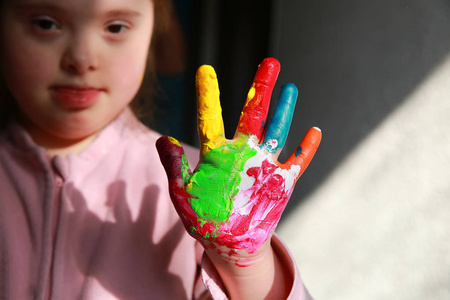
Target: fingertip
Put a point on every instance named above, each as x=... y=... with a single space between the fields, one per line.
x=208 y=92
x=290 y=88
x=164 y=139
x=167 y=145
x=173 y=141
x=206 y=71
x=315 y=135
x=172 y=157
x=316 y=131
x=271 y=62
x=288 y=93
x=267 y=72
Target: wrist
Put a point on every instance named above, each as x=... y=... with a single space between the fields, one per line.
x=240 y=259
x=246 y=276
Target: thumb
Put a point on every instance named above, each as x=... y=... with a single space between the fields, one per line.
x=173 y=159
x=178 y=173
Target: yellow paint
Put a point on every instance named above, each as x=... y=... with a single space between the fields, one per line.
x=189 y=185
x=209 y=111
x=251 y=93
x=174 y=141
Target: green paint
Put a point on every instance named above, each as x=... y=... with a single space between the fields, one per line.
x=184 y=169
x=215 y=183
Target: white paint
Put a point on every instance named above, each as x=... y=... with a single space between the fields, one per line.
x=241 y=204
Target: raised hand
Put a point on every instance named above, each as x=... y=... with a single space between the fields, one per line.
x=235 y=196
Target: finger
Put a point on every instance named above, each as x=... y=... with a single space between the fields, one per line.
x=305 y=152
x=254 y=113
x=209 y=112
x=178 y=173
x=279 y=124
x=173 y=159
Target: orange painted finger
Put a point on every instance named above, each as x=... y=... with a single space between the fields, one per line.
x=305 y=151
x=209 y=111
x=254 y=113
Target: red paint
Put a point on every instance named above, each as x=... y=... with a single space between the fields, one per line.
x=267 y=200
x=267 y=196
x=171 y=158
x=255 y=111
x=240 y=265
x=75 y=97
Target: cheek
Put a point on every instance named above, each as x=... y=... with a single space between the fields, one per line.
x=128 y=70
x=25 y=70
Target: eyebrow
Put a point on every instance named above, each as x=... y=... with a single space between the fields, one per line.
x=122 y=13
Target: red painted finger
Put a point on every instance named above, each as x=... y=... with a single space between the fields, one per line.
x=172 y=158
x=254 y=113
x=178 y=173
x=305 y=151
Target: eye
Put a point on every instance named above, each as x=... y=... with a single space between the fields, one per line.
x=117 y=27
x=45 y=23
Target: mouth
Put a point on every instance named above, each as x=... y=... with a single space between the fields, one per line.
x=75 y=96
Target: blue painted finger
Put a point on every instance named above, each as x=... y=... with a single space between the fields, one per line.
x=278 y=128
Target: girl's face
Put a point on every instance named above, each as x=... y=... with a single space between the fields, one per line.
x=73 y=65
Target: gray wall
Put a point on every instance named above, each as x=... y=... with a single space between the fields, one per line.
x=369 y=218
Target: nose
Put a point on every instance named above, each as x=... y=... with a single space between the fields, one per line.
x=80 y=55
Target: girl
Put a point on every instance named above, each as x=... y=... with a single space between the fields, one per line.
x=84 y=207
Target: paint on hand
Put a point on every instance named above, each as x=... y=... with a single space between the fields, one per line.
x=238 y=195
x=209 y=111
x=278 y=129
x=253 y=116
x=215 y=183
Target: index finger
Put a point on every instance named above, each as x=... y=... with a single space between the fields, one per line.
x=254 y=113
x=209 y=111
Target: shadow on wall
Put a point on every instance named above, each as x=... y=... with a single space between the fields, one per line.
x=354 y=62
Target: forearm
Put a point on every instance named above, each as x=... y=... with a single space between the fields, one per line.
x=252 y=276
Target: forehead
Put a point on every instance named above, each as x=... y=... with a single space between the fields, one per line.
x=84 y=7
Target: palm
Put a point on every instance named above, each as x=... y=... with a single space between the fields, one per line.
x=236 y=195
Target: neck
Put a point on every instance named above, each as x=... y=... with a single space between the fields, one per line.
x=75 y=147
x=55 y=145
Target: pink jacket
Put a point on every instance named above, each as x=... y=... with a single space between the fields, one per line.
x=99 y=225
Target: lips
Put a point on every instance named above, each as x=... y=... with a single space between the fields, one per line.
x=75 y=96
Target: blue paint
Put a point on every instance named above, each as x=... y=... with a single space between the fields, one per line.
x=263 y=123
x=299 y=151
x=281 y=119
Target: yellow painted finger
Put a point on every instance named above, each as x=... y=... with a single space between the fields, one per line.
x=209 y=111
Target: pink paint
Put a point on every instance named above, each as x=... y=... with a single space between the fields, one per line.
x=258 y=188
x=267 y=198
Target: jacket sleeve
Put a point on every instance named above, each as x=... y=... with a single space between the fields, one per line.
x=210 y=286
